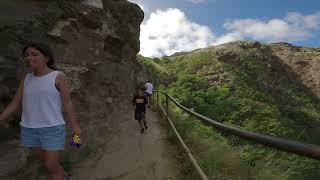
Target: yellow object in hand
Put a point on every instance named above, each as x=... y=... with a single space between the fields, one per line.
x=76 y=139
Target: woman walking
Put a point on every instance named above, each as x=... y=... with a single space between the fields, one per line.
x=42 y=94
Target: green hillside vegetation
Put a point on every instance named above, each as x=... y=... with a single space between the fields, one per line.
x=243 y=85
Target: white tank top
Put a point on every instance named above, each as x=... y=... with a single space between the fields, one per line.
x=149 y=87
x=41 y=102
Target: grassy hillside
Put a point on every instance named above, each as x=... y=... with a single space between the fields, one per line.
x=245 y=85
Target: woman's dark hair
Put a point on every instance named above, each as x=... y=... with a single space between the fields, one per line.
x=45 y=50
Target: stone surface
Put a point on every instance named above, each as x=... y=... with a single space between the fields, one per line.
x=305 y=62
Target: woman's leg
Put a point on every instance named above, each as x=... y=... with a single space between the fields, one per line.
x=143 y=117
x=138 y=116
x=145 y=123
x=141 y=124
x=51 y=161
x=39 y=153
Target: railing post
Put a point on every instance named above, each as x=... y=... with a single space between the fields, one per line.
x=167 y=104
x=157 y=98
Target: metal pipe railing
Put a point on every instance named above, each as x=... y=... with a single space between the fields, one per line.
x=307 y=150
x=183 y=144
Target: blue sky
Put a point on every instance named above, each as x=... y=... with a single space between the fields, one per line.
x=184 y=25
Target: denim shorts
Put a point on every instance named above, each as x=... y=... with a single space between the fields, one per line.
x=47 y=138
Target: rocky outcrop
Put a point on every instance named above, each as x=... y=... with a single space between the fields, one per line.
x=305 y=62
x=95 y=44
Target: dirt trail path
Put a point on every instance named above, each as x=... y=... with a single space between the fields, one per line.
x=134 y=156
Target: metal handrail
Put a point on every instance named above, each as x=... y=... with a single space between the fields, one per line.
x=295 y=147
x=183 y=144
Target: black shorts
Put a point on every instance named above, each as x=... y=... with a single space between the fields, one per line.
x=139 y=116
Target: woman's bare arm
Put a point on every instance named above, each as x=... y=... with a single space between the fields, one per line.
x=67 y=103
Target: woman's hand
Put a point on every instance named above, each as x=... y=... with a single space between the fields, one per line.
x=76 y=130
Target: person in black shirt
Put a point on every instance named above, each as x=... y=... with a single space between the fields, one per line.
x=140 y=102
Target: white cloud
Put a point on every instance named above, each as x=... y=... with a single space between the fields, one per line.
x=294 y=27
x=196 y=1
x=309 y=21
x=169 y=31
x=233 y=36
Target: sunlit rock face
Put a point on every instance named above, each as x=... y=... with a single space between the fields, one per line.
x=305 y=62
x=95 y=3
x=95 y=44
